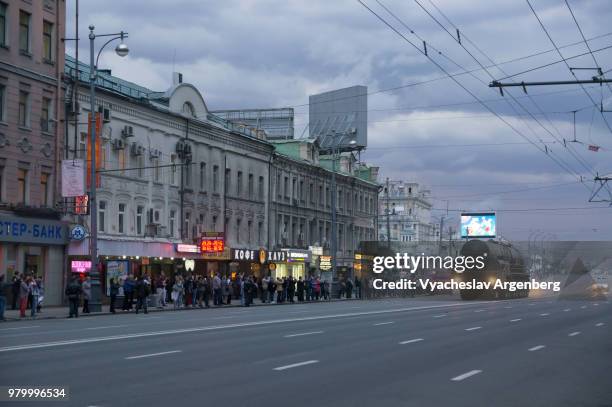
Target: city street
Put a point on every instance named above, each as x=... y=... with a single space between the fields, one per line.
x=409 y=352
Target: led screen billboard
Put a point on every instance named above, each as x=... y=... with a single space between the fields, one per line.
x=478 y=224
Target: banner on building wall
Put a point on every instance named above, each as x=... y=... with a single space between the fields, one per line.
x=117 y=269
x=98 y=151
x=73 y=181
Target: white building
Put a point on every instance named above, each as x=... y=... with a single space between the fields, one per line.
x=405 y=213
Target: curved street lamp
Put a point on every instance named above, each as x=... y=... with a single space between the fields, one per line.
x=122 y=50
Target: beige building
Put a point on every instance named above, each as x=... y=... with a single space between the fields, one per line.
x=32 y=239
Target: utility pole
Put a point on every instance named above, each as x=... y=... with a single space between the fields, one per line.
x=388 y=212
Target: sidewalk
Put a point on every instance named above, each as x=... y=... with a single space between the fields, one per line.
x=62 y=312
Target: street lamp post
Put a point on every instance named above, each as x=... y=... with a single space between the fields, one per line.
x=95 y=303
x=335 y=150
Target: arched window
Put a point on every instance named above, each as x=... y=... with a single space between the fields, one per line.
x=188 y=109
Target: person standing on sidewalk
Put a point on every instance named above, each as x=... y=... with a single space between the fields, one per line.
x=15 y=287
x=128 y=293
x=114 y=290
x=206 y=291
x=41 y=293
x=86 y=294
x=24 y=291
x=34 y=293
x=142 y=291
x=217 y=290
x=73 y=292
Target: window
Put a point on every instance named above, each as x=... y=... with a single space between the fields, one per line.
x=156 y=169
x=238 y=222
x=2 y=102
x=239 y=184
x=47 y=41
x=141 y=164
x=24 y=109
x=171 y=223
x=24 y=31
x=215 y=178
x=188 y=109
x=259 y=232
x=251 y=186
x=101 y=216
x=121 y=218
x=260 y=188
x=1 y=184
x=173 y=170
x=213 y=223
x=228 y=174
x=185 y=231
x=187 y=171
x=286 y=187
x=3 y=25
x=301 y=191
x=44 y=189
x=22 y=186
x=45 y=114
x=202 y=175
x=249 y=229
x=139 y=213
x=294 y=188
x=311 y=192
x=278 y=186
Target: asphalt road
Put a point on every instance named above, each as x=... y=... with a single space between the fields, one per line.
x=413 y=352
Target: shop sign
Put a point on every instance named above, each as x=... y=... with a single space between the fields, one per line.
x=80 y=266
x=245 y=254
x=316 y=250
x=73 y=178
x=217 y=256
x=325 y=263
x=78 y=232
x=13 y=229
x=298 y=255
x=212 y=242
x=187 y=248
x=189 y=264
x=261 y=256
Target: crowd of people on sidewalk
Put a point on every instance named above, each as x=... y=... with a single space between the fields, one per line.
x=197 y=291
x=27 y=291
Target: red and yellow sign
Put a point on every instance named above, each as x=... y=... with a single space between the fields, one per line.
x=98 y=125
x=211 y=245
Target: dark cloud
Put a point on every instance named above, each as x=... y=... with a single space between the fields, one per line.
x=272 y=53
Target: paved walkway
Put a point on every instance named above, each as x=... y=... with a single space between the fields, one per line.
x=62 y=312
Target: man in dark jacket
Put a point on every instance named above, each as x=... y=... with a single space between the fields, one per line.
x=73 y=292
x=128 y=293
x=15 y=290
x=114 y=290
x=300 y=289
x=141 y=288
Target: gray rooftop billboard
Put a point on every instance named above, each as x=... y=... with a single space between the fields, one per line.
x=340 y=112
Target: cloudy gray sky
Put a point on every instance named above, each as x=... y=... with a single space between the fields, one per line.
x=274 y=53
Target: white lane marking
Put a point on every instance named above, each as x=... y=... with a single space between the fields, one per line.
x=516 y=320
x=227 y=326
x=567 y=309
x=108 y=326
x=583 y=307
x=599 y=324
x=544 y=314
x=531 y=304
x=473 y=328
x=303 y=334
x=536 y=348
x=507 y=307
x=21 y=327
x=152 y=354
x=595 y=305
x=308 y=362
x=574 y=333
x=465 y=375
x=384 y=323
x=439 y=316
x=411 y=341
x=479 y=310
x=228 y=317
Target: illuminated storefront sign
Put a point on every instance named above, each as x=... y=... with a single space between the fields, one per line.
x=212 y=242
x=325 y=263
x=187 y=248
x=260 y=256
x=297 y=255
x=80 y=266
x=316 y=250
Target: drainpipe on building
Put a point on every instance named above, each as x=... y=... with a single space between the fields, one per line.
x=268 y=199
